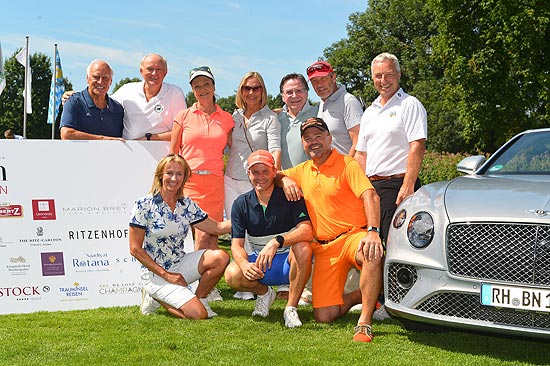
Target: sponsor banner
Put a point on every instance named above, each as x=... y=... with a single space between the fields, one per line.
x=64 y=212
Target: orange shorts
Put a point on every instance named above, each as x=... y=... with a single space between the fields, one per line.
x=332 y=264
x=206 y=190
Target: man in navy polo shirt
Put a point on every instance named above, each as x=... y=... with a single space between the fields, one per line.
x=91 y=114
x=279 y=232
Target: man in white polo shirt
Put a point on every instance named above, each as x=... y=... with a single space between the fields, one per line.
x=151 y=105
x=392 y=139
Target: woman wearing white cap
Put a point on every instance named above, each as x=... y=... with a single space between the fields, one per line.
x=200 y=134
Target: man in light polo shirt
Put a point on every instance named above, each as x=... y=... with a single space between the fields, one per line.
x=340 y=110
x=392 y=139
x=279 y=232
x=150 y=105
x=294 y=92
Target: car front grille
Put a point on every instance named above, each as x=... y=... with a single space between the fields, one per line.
x=513 y=253
x=467 y=306
x=397 y=292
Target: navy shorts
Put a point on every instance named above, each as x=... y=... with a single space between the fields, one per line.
x=279 y=272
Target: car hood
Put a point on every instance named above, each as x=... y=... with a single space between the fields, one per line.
x=489 y=198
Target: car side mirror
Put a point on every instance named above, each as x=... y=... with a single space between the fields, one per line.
x=470 y=164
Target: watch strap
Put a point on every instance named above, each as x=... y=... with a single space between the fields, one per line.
x=373 y=228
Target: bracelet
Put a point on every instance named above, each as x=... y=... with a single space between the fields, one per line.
x=373 y=228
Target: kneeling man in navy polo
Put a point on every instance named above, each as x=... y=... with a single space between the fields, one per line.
x=279 y=232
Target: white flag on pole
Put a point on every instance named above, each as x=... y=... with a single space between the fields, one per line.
x=28 y=74
x=2 y=75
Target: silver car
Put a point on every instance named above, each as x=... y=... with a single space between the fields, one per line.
x=474 y=252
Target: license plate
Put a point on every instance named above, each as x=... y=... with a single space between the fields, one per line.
x=524 y=298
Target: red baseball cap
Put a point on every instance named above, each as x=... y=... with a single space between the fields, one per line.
x=319 y=68
x=261 y=157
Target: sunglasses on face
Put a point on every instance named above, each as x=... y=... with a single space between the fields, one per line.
x=248 y=89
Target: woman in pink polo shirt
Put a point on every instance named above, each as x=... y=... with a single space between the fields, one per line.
x=200 y=134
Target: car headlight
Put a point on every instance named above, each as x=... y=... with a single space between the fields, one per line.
x=399 y=218
x=421 y=229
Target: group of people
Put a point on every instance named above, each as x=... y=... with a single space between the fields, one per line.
x=304 y=184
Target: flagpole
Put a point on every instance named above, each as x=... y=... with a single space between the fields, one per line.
x=54 y=83
x=26 y=90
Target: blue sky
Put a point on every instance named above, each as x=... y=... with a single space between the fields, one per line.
x=232 y=37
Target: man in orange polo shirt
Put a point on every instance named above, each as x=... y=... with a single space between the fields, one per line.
x=345 y=212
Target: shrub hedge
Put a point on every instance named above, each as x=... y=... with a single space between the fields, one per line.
x=440 y=166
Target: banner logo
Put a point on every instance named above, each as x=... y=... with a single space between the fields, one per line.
x=7 y=210
x=52 y=264
x=43 y=209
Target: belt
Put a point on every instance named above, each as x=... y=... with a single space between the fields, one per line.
x=337 y=236
x=382 y=177
x=202 y=172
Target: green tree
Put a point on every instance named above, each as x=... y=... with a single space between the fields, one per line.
x=227 y=103
x=275 y=102
x=480 y=67
x=11 y=100
x=121 y=82
x=190 y=98
x=404 y=28
x=496 y=60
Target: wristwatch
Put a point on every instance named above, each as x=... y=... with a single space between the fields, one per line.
x=281 y=240
x=148 y=136
x=373 y=228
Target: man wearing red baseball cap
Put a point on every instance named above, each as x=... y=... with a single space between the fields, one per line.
x=279 y=232
x=339 y=109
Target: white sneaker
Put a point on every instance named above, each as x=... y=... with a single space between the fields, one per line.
x=305 y=298
x=211 y=313
x=148 y=304
x=356 y=307
x=214 y=295
x=263 y=302
x=381 y=314
x=292 y=320
x=243 y=295
x=303 y=302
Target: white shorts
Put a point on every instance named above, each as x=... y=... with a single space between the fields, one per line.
x=232 y=189
x=170 y=293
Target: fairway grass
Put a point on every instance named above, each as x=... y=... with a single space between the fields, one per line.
x=122 y=336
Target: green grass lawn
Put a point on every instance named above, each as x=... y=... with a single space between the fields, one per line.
x=122 y=336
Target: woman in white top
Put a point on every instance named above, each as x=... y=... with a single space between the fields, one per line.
x=256 y=128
